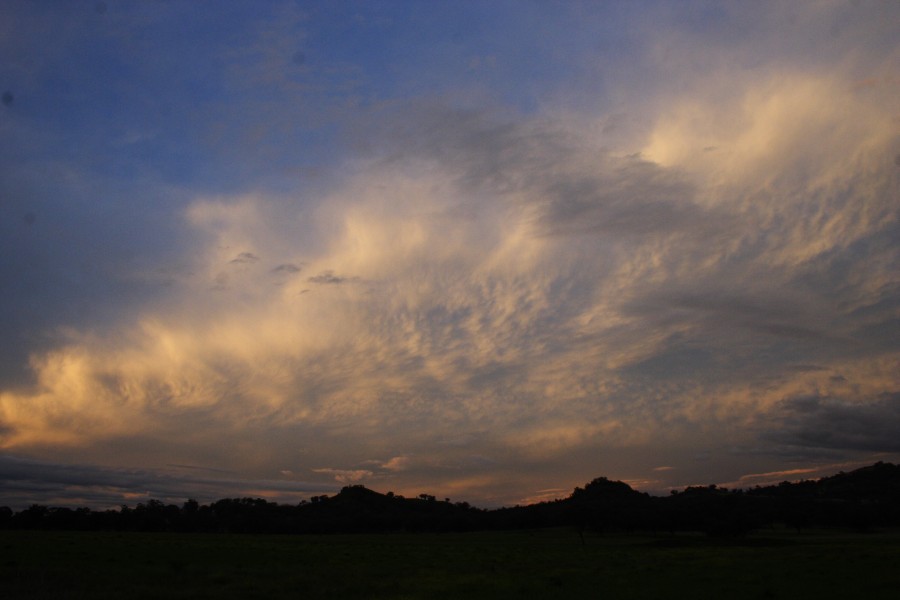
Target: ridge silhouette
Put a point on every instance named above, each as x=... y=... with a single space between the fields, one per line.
x=862 y=499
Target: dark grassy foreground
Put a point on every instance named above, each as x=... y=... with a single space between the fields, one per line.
x=539 y=564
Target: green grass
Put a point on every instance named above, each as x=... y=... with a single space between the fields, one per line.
x=541 y=564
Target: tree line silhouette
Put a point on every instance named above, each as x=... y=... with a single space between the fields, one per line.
x=863 y=499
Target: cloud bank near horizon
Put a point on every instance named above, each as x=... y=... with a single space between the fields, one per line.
x=699 y=266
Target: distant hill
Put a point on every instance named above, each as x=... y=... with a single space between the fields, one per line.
x=875 y=483
x=357 y=508
x=862 y=499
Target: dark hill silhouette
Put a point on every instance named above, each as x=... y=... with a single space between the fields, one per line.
x=357 y=508
x=605 y=489
x=600 y=505
x=877 y=482
x=862 y=499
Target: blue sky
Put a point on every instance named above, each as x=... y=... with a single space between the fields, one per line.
x=484 y=250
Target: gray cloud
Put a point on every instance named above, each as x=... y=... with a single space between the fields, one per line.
x=245 y=258
x=329 y=278
x=757 y=312
x=831 y=423
x=569 y=184
x=287 y=268
x=25 y=481
x=627 y=196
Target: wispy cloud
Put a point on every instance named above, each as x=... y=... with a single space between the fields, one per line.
x=245 y=258
x=346 y=475
x=329 y=278
x=28 y=481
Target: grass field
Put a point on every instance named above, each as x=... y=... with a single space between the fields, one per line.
x=540 y=564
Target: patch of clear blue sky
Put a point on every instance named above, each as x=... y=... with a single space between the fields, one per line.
x=230 y=94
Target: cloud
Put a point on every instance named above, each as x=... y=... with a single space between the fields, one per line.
x=328 y=278
x=245 y=258
x=554 y=294
x=287 y=268
x=838 y=424
x=28 y=481
x=649 y=262
x=397 y=463
x=824 y=469
x=547 y=495
x=347 y=475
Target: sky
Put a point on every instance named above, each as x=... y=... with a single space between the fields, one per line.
x=487 y=251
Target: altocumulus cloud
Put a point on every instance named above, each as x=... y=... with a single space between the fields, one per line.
x=557 y=297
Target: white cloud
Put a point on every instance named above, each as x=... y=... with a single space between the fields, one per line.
x=346 y=475
x=397 y=463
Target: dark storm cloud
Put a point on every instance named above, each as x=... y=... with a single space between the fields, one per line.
x=833 y=423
